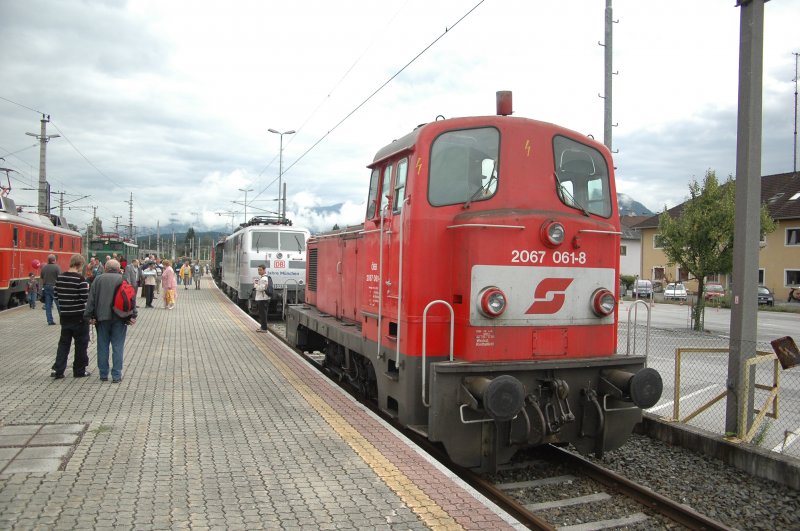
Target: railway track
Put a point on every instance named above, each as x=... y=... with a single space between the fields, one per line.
x=552 y=488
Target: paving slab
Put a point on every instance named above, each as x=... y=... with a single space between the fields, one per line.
x=213 y=426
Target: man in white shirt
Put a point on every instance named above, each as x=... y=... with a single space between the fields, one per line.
x=262 y=297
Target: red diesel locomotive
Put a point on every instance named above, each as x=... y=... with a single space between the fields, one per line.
x=477 y=304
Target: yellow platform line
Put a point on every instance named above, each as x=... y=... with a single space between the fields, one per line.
x=430 y=512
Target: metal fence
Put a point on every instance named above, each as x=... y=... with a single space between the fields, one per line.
x=694 y=368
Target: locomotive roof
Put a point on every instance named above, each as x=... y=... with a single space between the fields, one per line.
x=401 y=144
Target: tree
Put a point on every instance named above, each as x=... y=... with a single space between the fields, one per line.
x=187 y=242
x=700 y=238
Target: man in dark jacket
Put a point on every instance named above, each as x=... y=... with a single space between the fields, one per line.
x=49 y=276
x=111 y=329
x=72 y=291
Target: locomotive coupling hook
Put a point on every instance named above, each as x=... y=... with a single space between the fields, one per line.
x=643 y=388
x=502 y=397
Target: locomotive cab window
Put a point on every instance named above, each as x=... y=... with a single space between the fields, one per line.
x=464 y=166
x=293 y=241
x=581 y=177
x=262 y=241
x=400 y=185
x=386 y=188
x=372 y=200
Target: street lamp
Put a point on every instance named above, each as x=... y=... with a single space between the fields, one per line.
x=245 y=190
x=281 y=211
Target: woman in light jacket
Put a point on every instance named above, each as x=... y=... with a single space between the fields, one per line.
x=170 y=285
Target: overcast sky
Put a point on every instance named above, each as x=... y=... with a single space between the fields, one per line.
x=171 y=101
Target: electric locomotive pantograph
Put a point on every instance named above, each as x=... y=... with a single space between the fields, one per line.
x=274 y=243
x=477 y=303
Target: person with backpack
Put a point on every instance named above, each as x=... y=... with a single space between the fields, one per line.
x=111 y=318
x=262 y=287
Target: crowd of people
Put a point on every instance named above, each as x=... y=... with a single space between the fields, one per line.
x=84 y=297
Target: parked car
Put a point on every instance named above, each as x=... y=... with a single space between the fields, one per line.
x=642 y=289
x=675 y=291
x=713 y=292
x=765 y=296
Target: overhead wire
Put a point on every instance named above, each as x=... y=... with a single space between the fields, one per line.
x=372 y=95
x=351 y=113
x=324 y=100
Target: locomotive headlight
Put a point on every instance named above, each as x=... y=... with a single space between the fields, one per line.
x=603 y=302
x=553 y=233
x=492 y=302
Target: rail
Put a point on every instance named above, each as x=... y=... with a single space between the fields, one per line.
x=425 y=342
x=647 y=330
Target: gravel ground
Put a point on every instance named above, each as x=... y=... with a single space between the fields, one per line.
x=707 y=485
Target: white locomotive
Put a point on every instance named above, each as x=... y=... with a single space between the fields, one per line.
x=273 y=243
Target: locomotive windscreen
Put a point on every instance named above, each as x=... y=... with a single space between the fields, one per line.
x=582 y=177
x=463 y=163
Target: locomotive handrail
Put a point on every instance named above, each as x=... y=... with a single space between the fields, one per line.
x=286 y=291
x=615 y=232
x=485 y=225
x=647 y=330
x=425 y=341
x=400 y=285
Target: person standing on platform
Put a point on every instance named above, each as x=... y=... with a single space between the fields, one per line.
x=149 y=283
x=159 y=272
x=72 y=291
x=49 y=276
x=170 y=285
x=262 y=297
x=32 y=290
x=132 y=273
x=186 y=274
x=111 y=329
x=198 y=275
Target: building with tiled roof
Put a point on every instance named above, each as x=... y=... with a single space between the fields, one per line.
x=779 y=257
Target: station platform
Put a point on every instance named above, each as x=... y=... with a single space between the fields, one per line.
x=214 y=426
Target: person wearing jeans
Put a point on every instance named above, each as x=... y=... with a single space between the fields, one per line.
x=49 y=276
x=111 y=329
x=111 y=336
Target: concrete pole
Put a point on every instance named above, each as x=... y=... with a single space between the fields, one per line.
x=44 y=188
x=747 y=228
x=607 y=124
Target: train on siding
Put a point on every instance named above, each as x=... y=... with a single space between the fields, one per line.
x=269 y=241
x=110 y=244
x=477 y=303
x=26 y=240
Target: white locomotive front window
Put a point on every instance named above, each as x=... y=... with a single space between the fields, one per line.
x=464 y=166
x=263 y=241
x=293 y=242
x=582 y=180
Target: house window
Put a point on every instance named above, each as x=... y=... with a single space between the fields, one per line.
x=793 y=236
x=658 y=241
x=623 y=250
x=792 y=277
x=658 y=273
x=761 y=275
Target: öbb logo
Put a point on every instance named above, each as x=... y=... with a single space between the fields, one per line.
x=549 y=296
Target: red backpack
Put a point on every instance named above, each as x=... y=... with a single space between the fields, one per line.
x=124 y=300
